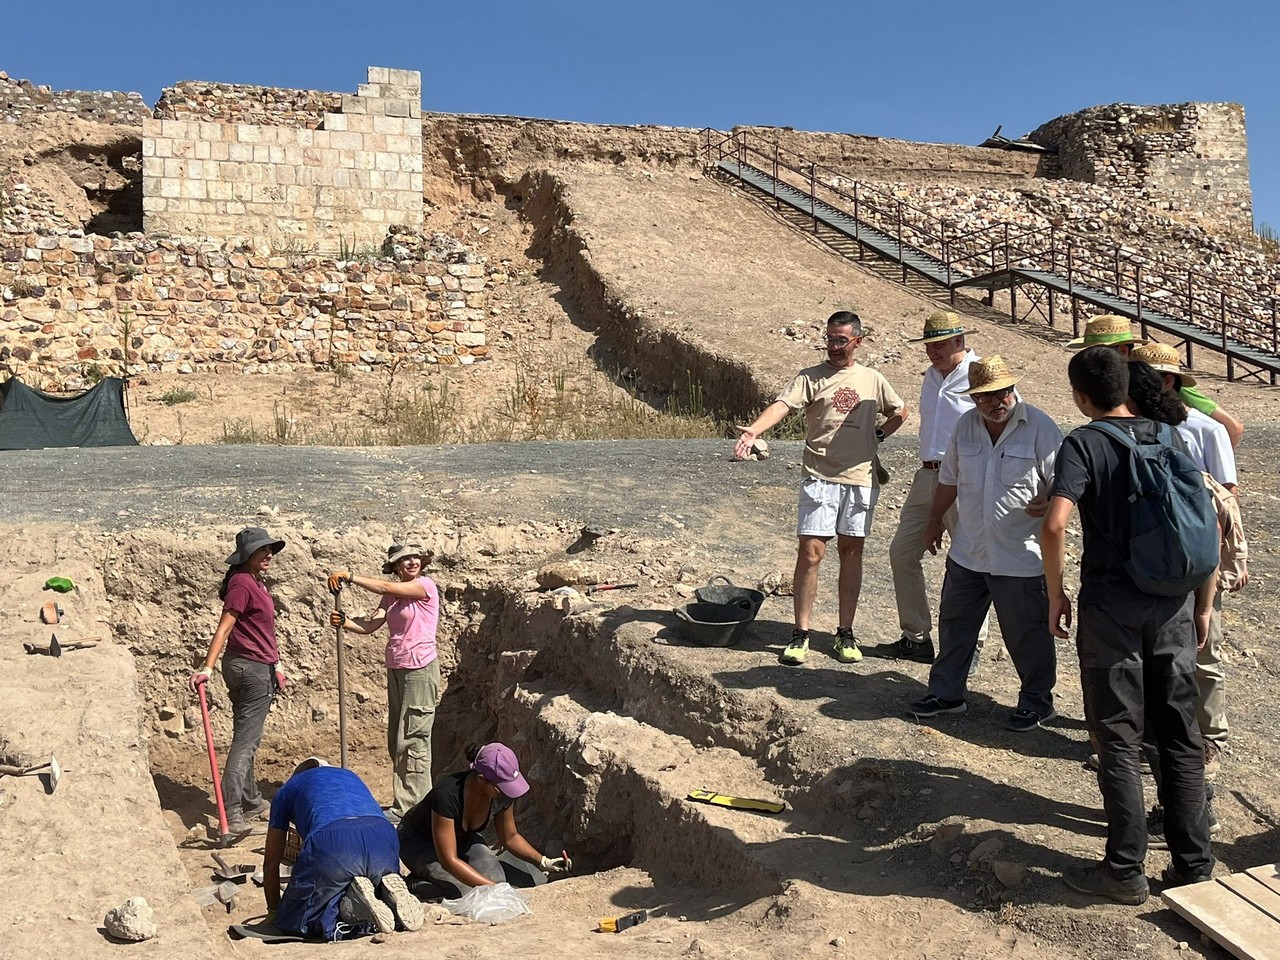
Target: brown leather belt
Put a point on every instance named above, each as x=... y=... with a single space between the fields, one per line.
x=931 y=464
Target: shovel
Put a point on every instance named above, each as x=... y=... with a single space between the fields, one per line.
x=51 y=771
x=225 y=838
x=342 y=685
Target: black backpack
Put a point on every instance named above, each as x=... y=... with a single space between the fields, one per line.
x=1174 y=538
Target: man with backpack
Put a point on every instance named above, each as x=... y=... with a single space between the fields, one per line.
x=1150 y=552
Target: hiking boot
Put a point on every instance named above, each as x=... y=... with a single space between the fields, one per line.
x=1096 y=880
x=407 y=908
x=1175 y=878
x=846 y=646
x=1212 y=759
x=360 y=905
x=797 y=649
x=931 y=706
x=257 y=811
x=1022 y=721
x=1156 y=840
x=1144 y=768
x=904 y=648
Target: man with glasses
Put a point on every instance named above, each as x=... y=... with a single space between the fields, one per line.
x=842 y=402
x=996 y=471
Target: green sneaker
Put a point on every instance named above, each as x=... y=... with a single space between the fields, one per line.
x=846 y=646
x=798 y=648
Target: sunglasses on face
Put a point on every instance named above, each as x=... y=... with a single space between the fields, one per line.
x=995 y=396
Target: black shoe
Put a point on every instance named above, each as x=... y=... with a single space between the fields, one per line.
x=1156 y=840
x=931 y=706
x=1173 y=878
x=1021 y=721
x=904 y=648
x=1096 y=881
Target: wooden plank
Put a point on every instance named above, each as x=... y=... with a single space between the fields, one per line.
x=1234 y=923
x=1257 y=893
x=1268 y=876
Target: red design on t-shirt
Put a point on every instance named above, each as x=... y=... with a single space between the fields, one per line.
x=846 y=399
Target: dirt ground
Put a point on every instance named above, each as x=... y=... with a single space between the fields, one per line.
x=617 y=714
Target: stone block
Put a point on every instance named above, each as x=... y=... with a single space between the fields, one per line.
x=208 y=130
x=148 y=147
x=164 y=147
x=361 y=123
x=379 y=74
x=275 y=154
x=386 y=161
x=405 y=78
x=152 y=204
x=304 y=138
x=173 y=169
x=239 y=152
x=194 y=169
x=398 y=144
x=347 y=141
x=354 y=104
x=410 y=162
x=398 y=126
x=415 y=110
x=261 y=153
x=219 y=150
x=204 y=149
x=335 y=121
x=397 y=108
x=248 y=133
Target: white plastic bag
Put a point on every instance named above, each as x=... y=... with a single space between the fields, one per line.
x=491 y=904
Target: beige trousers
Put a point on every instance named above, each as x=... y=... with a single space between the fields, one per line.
x=1211 y=678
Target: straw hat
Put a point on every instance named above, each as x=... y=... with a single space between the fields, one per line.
x=989 y=375
x=940 y=325
x=1164 y=358
x=1105 y=330
x=397 y=552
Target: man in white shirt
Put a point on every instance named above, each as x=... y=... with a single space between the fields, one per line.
x=996 y=471
x=942 y=402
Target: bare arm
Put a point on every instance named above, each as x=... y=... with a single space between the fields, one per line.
x=407 y=589
x=943 y=497
x=1235 y=429
x=890 y=426
x=362 y=625
x=772 y=415
x=271 y=858
x=447 y=850
x=216 y=645
x=505 y=825
x=1053 y=549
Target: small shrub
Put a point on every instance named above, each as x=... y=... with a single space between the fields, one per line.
x=94 y=373
x=176 y=395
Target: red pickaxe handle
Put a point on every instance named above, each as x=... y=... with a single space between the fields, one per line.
x=213 y=762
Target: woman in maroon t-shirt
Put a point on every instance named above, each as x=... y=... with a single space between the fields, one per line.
x=251 y=668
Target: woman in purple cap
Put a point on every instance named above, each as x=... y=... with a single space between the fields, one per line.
x=442 y=838
x=251 y=667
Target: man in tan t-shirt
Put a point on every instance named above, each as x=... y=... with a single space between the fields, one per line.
x=842 y=401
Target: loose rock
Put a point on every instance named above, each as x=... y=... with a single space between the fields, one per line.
x=131 y=920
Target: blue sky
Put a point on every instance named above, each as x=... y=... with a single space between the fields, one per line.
x=946 y=72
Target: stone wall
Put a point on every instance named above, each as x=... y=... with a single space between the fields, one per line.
x=71 y=301
x=341 y=184
x=242 y=103
x=20 y=99
x=1189 y=157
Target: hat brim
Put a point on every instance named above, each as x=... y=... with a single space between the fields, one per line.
x=390 y=565
x=1187 y=379
x=515 y=788
x=938 y=337
x=252 y=547
x=998 y=384
x=1079 y=343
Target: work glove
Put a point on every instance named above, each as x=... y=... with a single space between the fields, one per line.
x=561 y=864
x=337 y=579
x=200 y=676
x=338 y=618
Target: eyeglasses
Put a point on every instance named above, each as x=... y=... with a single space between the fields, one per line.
x=994 y=396
x=841 y=341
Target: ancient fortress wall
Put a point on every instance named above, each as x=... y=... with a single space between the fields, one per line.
x=1186 y=156
x=324 y=174
x=20 y=99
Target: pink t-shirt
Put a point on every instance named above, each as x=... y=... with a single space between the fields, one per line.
x=412 y=624
x=254 y=635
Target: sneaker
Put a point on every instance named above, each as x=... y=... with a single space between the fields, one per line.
x=1156 y=840
x=1021 y=721
x=798 y=648
x=360 y=905
x=904 y=648
x=931 y=706
x=846 y=646
x=407 y=908
x=1174 y=878
x=1096 y=880
x=1212 y=759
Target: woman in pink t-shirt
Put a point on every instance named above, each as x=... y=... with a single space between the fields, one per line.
x=411 y=609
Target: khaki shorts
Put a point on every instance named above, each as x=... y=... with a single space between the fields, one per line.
x=827 y=509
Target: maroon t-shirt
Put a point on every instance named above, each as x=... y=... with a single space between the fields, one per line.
x=254 y=635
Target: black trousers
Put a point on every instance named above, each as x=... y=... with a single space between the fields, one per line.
x=1138 y=674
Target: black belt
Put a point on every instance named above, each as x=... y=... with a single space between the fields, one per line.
x=931 y=464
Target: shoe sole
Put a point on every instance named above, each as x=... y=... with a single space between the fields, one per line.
x=366 y=898
x=793 y=659
x=857 y=658
x=406 y=907
x=1027 y=729
x=925 y=714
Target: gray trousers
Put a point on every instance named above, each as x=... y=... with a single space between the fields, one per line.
x=1022 y=609
x=251 y=687
x=412 y=696
x=421 y=860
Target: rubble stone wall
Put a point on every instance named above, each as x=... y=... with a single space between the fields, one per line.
x=20 y=99
x=72 y=301
x=244 y=103
x=1187 y=156
x=341 y=184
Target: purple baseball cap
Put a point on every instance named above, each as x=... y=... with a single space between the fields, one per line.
x=497 y=764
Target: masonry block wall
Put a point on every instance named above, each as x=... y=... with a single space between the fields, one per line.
x=242 y=173
x=1191 y=157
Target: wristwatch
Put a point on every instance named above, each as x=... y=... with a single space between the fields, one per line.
x=879 y=435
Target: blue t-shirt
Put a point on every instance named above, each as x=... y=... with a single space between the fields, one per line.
x=317 y=797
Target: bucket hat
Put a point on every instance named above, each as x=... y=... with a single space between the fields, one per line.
x=250 y=540
x=1105 y=330
x=940 y=325
x=989 y=375
x=310 y=764
x=497 y=764
x=1164 y=358
x=397 y=552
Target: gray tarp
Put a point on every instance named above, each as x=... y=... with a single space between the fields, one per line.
x=31 y=419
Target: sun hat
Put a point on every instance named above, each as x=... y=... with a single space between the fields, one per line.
x=249 y=541
x=1105 y=330
x=397 y=552
x=941 y=325
x=1162 y=357
x=989 y=375
x=497 y=764
x=310 y=764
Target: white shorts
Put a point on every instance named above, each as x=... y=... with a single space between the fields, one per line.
x=827 y=509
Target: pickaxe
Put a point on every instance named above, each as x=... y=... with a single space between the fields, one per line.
x=55 y=649
x=51 y=770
